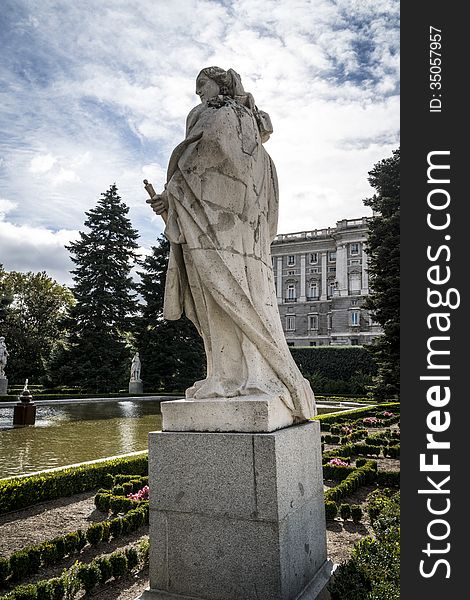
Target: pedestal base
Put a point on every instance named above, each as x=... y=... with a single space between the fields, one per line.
x=3 y=386
x=237 y=516
x=250 y=414
x=24 y=414
x=136 y=387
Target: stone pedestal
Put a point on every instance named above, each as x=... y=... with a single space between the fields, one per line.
x=136 y=387
x=3 y=386
x=237 y=516
x=24 y=413
x=251 y=414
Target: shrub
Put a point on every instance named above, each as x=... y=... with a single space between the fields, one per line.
x=102 y=501
x=115 y=527
x=331 y=510
x=19 y=492
x=19 y=564
x=81 y=540
x=52 y=589
x=5 y=570
x=106 y=531
x=71 y=542
x=119 y=564
x=345 y=511
x=356 y=513
x=44 y=590
x=349 y=583
x=89 y=575
x=59 y=543
x=377 y=501
x=49 y=554
x=388 y=478
x=26 y=592
x=392 y=451
x=94 y=534
x=144 y=550
x=336 y=472
x=108 y=481
x=106 y=570
x=117 y=490
x=132 y=558
x=127 y=487
x=58 y=588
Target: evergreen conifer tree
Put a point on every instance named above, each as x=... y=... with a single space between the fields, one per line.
x=384 y=273
x=172 y=352
x=96 y=357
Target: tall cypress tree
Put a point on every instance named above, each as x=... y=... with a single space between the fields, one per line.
x=384 y=273
x=97 y=357
x=172 y=352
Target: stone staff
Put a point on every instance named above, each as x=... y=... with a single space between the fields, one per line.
x=154 y=197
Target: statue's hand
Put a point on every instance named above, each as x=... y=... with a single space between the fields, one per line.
x=159 y=203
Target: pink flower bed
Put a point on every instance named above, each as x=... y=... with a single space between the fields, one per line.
x=142 y=494
x=338 y=462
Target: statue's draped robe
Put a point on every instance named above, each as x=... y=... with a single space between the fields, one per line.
x=222 y=216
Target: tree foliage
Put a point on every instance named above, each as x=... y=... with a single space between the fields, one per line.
x=33 y=321
x=383 y=247
x=96 y=356
x=171 y=352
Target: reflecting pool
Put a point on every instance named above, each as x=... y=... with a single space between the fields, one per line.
x=72 y=433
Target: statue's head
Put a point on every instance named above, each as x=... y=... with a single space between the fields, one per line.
x=213 y=81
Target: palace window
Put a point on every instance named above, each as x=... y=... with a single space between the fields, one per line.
x=291 y=294
x=355 y=283
x=291 y=260
x=313 y=290
x=313 y=322
x=290 y=323
x=354 y=249
x=313 y=258
x=332 y=256
x=354 y=318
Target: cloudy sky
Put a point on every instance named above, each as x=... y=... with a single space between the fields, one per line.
x=97 y=91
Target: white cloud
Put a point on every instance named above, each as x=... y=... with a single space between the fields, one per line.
x=6 y=206
x=42 y=163
x=104 y=89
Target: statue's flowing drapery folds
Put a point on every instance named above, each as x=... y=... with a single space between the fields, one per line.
x=222 y=196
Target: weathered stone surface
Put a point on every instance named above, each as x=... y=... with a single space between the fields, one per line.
x=136 y=387
x=3 y=386
x=236 y=515
x=221 y=207
x=260 y=413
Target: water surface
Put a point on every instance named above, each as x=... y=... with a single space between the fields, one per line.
x=73 y=433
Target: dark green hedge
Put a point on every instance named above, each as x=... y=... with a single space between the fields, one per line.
x=19 y=492
x=334 y=362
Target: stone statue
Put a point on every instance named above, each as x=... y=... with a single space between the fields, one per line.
x=220 y=205
x=3 y=356
x=135 y=368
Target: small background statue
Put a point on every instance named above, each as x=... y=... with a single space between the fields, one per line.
x=3 y=356
x=135 y=368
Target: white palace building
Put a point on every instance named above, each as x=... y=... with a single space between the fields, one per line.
x=321 y=283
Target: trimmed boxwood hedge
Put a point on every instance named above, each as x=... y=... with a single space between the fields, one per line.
x=334 y=362
x=20 y=492
x=30 y=560
x=356 y=413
